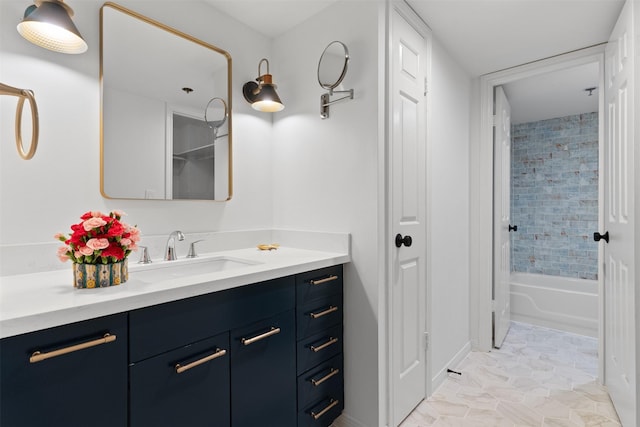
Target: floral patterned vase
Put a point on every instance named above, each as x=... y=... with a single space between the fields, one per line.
x=100 y=275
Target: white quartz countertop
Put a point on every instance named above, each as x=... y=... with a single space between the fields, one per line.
x=31 y=302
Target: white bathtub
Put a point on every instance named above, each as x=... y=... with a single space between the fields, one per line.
x=556 y=302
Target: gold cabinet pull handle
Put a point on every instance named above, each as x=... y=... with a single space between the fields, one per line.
x=325 y=280
x=39 y=357
x=329 y=310
x=218 y=353
x=248 y=341
x=325 y=345
x=332 y=373
x=331 y=404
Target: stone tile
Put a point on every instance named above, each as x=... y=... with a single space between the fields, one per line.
x=607 y=410
x=593 y=391
x=449 y=421
x=443 y=407
x=540 y=377
x=477 y=398
x=573 y=400
x=592 y=419
x=558 y=422
x=548 y=407
x=505 y=393
x=486 y=418
x=529 y=386
x=519 y=413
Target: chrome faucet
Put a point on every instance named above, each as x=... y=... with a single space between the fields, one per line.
x=170 y=249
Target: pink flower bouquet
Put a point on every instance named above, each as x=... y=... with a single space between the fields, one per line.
x=99 y=239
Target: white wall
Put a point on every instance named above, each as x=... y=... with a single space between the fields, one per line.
x=48 y=193
x=326 y=176
x=449 y=211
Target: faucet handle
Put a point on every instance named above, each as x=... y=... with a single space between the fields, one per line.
x=192 y=249
x=144 y=255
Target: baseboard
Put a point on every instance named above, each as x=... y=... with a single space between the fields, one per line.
x=441 y=375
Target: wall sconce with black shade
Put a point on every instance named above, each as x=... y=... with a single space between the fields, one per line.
x=48 y=24
x=262 y=95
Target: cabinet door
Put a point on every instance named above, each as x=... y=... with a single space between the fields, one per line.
x=263 y=373
x=81 y=381
x=185 y=387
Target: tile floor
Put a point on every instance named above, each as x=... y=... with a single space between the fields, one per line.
x=540 y=377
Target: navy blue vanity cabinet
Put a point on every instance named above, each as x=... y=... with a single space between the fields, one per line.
x=319 y=353
x=72 y=375
x=263 y=375
x=239 y=348
x=184 y=387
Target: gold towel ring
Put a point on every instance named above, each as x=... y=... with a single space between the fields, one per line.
x=24 y=94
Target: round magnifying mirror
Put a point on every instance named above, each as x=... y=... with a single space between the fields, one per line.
x=332 y=66
x=215 y=113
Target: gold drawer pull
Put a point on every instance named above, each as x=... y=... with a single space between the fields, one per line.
x=331 y=404
x=329 y=310
x=325 y=280
x=273 y=331
x=39 y=357
x=219 y=353
x=334 y=372
x=325 y=345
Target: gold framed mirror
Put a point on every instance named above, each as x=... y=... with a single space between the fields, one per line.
x=165 y=112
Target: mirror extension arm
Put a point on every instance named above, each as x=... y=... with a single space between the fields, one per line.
x=325 y=101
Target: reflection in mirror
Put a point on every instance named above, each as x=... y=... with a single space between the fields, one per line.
x=332 y=68
x=166 y=102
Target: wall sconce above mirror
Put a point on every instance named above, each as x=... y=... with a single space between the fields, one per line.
x=262 y=95
x=332 y=68
x=166 y=111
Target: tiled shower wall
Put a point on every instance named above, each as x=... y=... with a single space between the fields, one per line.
x=554 y=196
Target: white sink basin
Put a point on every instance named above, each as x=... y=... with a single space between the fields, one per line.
x=164 y=270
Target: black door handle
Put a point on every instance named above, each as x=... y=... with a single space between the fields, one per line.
x=406 y=240
x=597 y=236
x=513 y=228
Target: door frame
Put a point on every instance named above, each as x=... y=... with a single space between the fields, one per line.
x=386 y=410
x=482 y=189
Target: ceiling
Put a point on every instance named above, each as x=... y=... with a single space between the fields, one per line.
x=558 y=94
x=272 y=17
x=491 y=35
x=484 y=36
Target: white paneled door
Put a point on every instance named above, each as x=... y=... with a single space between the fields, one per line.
x=408 y=196
x=501 y=217
x=621 y=299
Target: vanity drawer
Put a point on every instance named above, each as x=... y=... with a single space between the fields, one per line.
x=157 y=329
x=188 y=386
x=323 y=380
x=318 y=283
x=319 y=314
x=318 y=348
x=323 y=413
